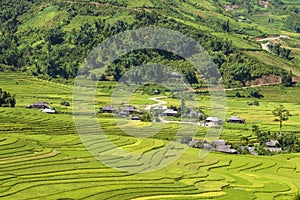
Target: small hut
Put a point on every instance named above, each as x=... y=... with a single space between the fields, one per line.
x=236 y=120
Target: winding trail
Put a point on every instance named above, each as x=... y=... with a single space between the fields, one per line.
x=272 y=38
x=160 y=103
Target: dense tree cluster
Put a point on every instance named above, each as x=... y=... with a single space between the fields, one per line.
x=280 y=51
x=54 y=51
x=293 y=21
x=6 y=99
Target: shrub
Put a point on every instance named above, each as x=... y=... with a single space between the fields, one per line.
x=296 y=196
x=157 y=119
x=261 y=150
x=145 y=117
x=255 y=93
x=256 y=103
x=297 y=85
x=6 y=99
x=65 y=103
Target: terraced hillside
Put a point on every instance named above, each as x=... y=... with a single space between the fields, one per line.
x=43 y=44
x=56 y=167
x=42 y=157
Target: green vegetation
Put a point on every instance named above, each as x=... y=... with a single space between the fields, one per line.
x=287 y=79
x=296 y=197
x=6 y=99
x=50 y=39
x=279 y=51
x=43 y=157
x=292 y=21
x=42 y=46
x=282 y=115
x=288 y=143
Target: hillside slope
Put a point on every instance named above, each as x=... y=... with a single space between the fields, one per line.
x=50 y=39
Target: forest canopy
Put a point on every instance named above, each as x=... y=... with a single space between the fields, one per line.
x=51 y=39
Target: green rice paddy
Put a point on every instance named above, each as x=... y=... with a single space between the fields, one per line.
x=42 y=156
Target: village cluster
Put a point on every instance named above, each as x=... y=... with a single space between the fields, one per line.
x=131 y=112
x=221 y=146
x=164 y=111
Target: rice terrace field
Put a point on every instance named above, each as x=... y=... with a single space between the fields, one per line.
x=42 y=156
x=157 y=145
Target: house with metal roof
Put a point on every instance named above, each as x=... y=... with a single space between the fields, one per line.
x=273 y=146
x=48 y=110
x=212 y=121
x=170 y=112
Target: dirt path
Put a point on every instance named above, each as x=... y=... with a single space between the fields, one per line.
x=160 y=102
x=272 y=38
x=265 y=46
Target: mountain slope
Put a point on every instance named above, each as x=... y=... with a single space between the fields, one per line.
x=51 y=39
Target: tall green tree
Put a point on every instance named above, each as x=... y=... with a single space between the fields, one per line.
x=287 y=79
x=281 y=114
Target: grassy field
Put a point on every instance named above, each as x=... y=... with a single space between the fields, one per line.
x=46 y=18
x=42 y=156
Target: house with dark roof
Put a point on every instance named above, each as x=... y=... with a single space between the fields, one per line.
x=40 y=105
x=123 y=114
x=216 y=145
x=156 y=92
x=129 y=109
x=236 y=120
x=108 y=109
x=135 y=118
x=220 y=146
